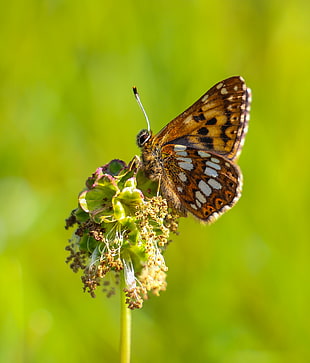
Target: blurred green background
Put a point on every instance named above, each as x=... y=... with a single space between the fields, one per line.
x=238 y=290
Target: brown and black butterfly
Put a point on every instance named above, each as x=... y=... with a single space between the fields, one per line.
x=193 y=157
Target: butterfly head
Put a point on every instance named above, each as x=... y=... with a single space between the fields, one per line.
x=143 y=137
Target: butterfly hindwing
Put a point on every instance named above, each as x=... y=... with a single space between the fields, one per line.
x=206 y=184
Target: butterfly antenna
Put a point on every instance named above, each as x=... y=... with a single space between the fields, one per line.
x=135 y=92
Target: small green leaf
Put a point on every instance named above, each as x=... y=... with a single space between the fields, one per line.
x=119 y=211
x=148 y=187
x=81 y=215
x=87 y=243
x=115 y=166
x=129 y=224
x=98 y=198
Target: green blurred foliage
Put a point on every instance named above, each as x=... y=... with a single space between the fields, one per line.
x=238 y=290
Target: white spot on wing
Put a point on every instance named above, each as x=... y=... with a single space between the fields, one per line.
x=186 y=160
x=200 y=197
x=204 y=187
x=193 y=206
x=179 y=189
x=224 y=91
x=213 y=165
x=220 y=85
x=179 y=148
x=215 y=160
x=186 y=166
x=181 y=153
x=204 y=98
x=188 y=119
x=183 y=177
x=214 y=184
x=203 y=154
x=210 y=172
x=249 y=95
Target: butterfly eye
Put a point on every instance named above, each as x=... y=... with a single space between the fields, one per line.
x=142 y=137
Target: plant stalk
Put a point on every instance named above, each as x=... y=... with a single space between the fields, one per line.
x=125 y=331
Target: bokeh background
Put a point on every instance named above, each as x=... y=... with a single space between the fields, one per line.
x=238 y=290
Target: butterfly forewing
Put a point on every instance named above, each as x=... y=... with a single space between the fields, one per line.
x=217 y=121
x=207 y=184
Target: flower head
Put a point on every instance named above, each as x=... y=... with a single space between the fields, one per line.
x=122 y=230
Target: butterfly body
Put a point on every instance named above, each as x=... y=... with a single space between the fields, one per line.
x=193 y=157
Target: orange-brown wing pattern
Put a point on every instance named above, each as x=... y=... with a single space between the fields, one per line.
x=204 y=183
x=216 y=122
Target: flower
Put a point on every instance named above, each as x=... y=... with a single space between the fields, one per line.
x=122 y=230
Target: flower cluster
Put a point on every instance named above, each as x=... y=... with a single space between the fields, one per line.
x=122 y=230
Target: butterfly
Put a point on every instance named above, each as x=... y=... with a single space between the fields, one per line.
x=194 y=156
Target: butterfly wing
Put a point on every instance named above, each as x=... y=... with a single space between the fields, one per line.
x=216 y=122
x=204 y=183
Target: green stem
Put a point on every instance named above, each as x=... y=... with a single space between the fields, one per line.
x=125 y=334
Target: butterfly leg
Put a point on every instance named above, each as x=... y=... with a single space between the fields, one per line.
x=158 y=187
